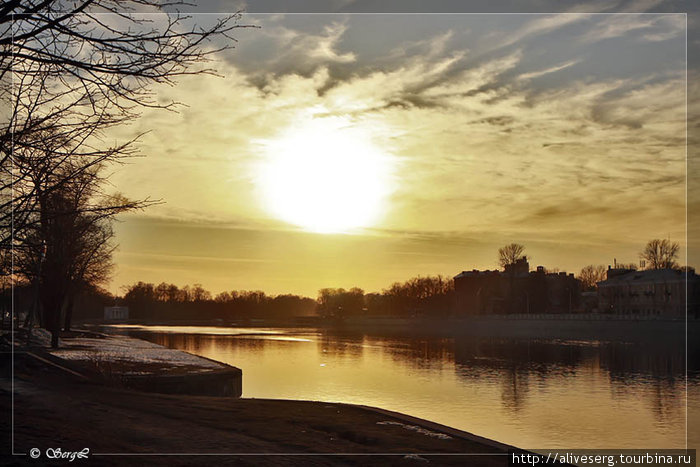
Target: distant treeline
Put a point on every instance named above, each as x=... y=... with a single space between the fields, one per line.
x=169 y=302
x=432 y=295
x=417 y=296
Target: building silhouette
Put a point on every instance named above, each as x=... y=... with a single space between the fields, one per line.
x=516 y=290
x=654 y=292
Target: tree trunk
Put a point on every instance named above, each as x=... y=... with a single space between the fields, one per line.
x=69 y=314
x=54 y=340
x=55 y=329
x=53 y=303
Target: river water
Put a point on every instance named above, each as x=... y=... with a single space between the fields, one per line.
x=534 y=394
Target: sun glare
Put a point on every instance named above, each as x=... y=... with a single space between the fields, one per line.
x=325 y=176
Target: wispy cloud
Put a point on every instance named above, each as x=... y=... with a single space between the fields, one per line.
x=283 y=49
x=536 y=74
x=324 y=47
x=647 y=27
x=541 y=25
x=639 y=6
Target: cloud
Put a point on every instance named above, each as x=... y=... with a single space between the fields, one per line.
x=640 y=6
x=645 y=27
x=324 y=47
x=477 y=146
x=277 y=48
x=186 y=258
x=476 y=78
x=380 y=88
x=430 y=47
x=559 y=67
x=541 y=25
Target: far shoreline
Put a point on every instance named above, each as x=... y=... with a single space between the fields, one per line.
x=575 y=326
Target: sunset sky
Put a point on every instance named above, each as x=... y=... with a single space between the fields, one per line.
x=342 y=150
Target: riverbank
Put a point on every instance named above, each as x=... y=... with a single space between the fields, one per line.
x=55 y=409
x=593 y=327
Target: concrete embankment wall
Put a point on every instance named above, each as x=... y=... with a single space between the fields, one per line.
x=224 y=382
x=574 y=329
x=550 y=327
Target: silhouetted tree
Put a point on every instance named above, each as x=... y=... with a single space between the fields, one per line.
x=340 y=302
x=431 y=294
x=169 y=302
x=223 y=297
x=509 y=254
x=161 y=292
x=140 y=293
x=66 y=67
x=378 y=303
x=90 y=259
x=65 y=242
x=660 y=254
x=67 y=74
x=590 y=276
x=199 y=294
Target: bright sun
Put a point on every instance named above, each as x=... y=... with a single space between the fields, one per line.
x=325 y=176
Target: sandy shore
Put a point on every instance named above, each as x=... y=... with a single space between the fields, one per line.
x=54 y=410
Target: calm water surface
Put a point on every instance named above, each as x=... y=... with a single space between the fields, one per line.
x=530 y=393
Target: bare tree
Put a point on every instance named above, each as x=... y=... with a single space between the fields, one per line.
x=590 y=276
x=90 y=244
x=92 y=262
x=68 y=64
x=69 y=247
x=509 y=254
x=69 y=71
x=340 y=303
x=660 y=254
x=199 y=294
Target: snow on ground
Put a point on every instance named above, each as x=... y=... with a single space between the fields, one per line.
x=134 y=356
x=42 y=337
x=416 y=428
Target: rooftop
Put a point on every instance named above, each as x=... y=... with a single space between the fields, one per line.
x=650 y=275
